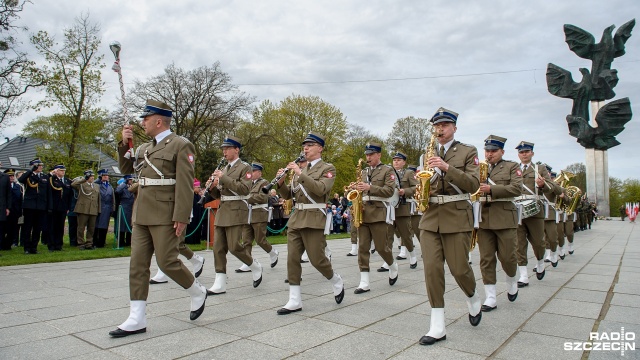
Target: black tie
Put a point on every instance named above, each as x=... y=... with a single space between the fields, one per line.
x=155 y=142
x=524 y=168
x=442 y=151
x=309 y=166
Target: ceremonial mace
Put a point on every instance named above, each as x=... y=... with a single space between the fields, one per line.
x=115 y=49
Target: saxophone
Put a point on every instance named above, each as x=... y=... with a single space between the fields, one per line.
x=355 y=197
x=484 y=175
x=424 y=176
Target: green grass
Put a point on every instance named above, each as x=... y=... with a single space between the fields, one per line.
x=16 y=255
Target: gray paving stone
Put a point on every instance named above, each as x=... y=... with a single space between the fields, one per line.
x=597 y=278
x=436 y=351
x=98 y=355
x=526 y=345
x=53 y=348
x=629 y=277
x=15 y=318
x=588 y=285
x=607 y=326
x=626 y=300
x=254 y=323
x=242 y=349
x=377 y=346
x=600 y=269
x=573 y=308
x=626 y=288
x=623 y=314
x=570 y=327
x=323 y=331
x=27 y=333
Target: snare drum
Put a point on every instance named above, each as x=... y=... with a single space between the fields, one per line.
x=529 y=207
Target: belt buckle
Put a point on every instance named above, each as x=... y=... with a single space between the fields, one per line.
x=440 y=199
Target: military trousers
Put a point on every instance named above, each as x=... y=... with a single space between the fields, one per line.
x=257 y=232
x=229 y=239
x=88 y=222
x=314 y=242
x=378 y=232
x=454 y=248
x=161 y=239
x=560 y=231
x=415 y=221
x=501 y=242
x=403 y=227
x=354 y=233
x=568 y=230
x=551 y=235
x=531 y=231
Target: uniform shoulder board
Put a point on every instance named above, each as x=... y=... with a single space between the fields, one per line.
x=184 y=139
x=245 y=163
x=511 y=162
x=329 y=164
x=467 y=145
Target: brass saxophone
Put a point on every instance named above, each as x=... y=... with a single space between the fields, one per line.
x=424 y=176
x=355 y=197
x=484 y=175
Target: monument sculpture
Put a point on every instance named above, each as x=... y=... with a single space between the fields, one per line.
x=596 y=134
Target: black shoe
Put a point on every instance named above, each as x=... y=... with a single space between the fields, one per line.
x=393 y=281
x=487 y=308
x=540 y=275
x=153 y=282
x=470 y=262
x=242 y=271
x=562 y=257
x=209 y=292
x=303 y=261
x=373 y=250
x=522 y=284
x=285 y=311
x=361 y=291
x=273 y=264
x=547 y=260
x=286 y=281
x=475 y=320
x=400 y=258
x=340 y=296
x=414 y=265
x=199 y=271
x=256 y=283
x=428 y=340
x=571 y=252
x=122 y=333
x=554 y=264
x=513 y=297
x=196 y=314
x=350 y=254
x=382 y=269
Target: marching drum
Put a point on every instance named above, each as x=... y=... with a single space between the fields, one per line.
x=529 y=207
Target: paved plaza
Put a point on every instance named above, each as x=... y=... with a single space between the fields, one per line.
x=65 y=310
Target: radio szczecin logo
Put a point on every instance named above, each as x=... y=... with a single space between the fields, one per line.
x=606 y=341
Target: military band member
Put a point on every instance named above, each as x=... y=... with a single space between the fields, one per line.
x=531 y=229
x=232 y=186
x=551 y=192
x=447 y=224
x=416 y=215
x=569 y=229
x=403 y=212
x=310 y=222
x=498 y=229
x=36 y=203
x=377 y=186
x=258 y=215
x=161 y=212
x=353 y=231
x=562 y=219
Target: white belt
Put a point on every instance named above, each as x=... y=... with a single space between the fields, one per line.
x=309 y=206
x=156 y=182
x=260 y=206
x=443 y=199
x=376 y=198
x=232 y=198
x=490 y=199
x=526 y=197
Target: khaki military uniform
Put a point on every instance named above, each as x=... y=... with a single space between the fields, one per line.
x=551 y=192
x=374 y=227
x=232 y=215
x=497 y=233
x=157 y=208
x=532 y=228
x=257 y=230
x=402 y=223
x=87 y=209
x=446 y=228
x=308 y=221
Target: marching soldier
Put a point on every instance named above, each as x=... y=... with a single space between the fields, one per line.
x=551 y=192
x=61 y=194
x=498 y=229
x=161 y=212
x=258 y=216
x=232 y=186
x=377 y=186
x=353 y=231
x=37 y=201
x=416 y=215
x=534 y=182
x=309 y=224
x=569 y=229
x=402 y=223
x=447 y=224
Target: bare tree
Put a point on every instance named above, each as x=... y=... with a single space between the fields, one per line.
x=74 y=81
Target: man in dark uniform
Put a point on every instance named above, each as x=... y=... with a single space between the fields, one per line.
x=161 y=212
x=61 y=194
x=498 y=229
x=5 y=208
x=107 y=207
x=232 y=186
x=258 y=216
x=15 y=211
x=310 y=222
x=535 y=182
x=127 y=198
x=37 y=201
x=447 y=224
x=378 y=213
x=402 y=223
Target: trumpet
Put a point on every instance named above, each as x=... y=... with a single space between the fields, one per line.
x=266 y=188
x=207 y=185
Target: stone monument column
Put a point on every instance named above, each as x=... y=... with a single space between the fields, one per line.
x=597 y=164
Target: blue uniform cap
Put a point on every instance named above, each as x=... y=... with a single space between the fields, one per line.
x=231 y=141
x=524 y=145
x=36 y=161
x=103 y=172
x=257 y=166
x=314 y=138
x=444 y=115
x=400 y=155
x=156 y=107
x=494 y=142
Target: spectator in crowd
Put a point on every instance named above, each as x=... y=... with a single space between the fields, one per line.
x=335 y=201
x=277 y=214
x=61 y=194
x=5 y=209
x=87 y=208
x=10 y=234
x=125 y=210
x=107 y=207
x=72 y=219
x=197 y=211
x=337 y=219
x=35 y=205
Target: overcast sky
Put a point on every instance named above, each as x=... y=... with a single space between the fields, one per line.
x=358 y=56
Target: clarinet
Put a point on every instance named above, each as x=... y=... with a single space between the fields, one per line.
x=221 y=164
x=266 y=188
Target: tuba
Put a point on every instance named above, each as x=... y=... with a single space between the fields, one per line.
x=424 y=176
x=562 y=180
x=355 y=197
x=475 y=197
x=573 y=194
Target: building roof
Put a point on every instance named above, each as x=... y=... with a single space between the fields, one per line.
x=20 y=150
